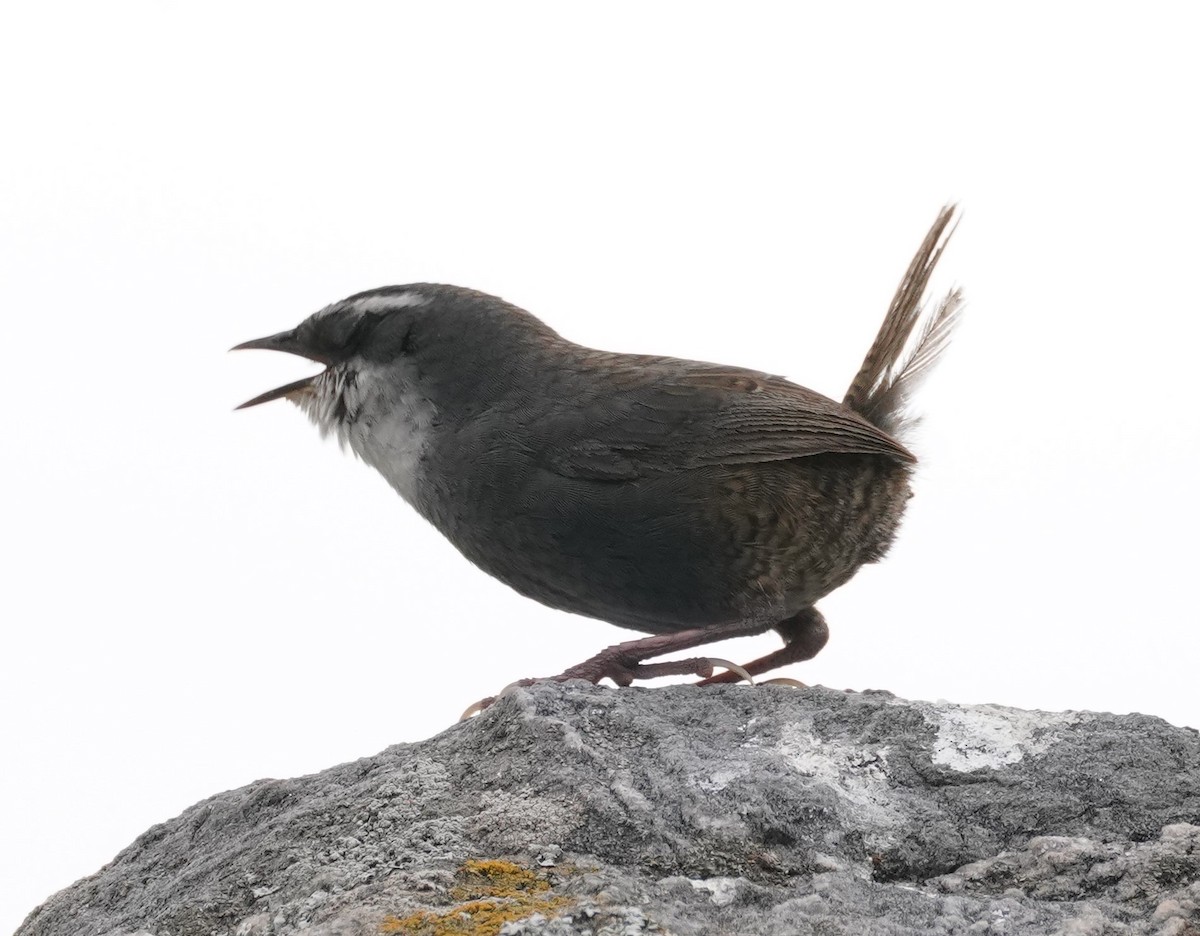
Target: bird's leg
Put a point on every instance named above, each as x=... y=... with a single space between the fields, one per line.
x=804 y=635
x=622 y=663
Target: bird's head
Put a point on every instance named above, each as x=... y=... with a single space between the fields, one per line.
x=370 y=329
x=388 y=346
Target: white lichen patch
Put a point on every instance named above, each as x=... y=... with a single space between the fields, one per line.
x=720 y=779
x=858 y=775
x=722 y=890
x=975 y=737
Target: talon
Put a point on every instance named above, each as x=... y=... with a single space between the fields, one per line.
x=784 y=681
x=475 y=708
x=733 y=668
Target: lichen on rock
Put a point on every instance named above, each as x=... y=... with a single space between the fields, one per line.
x=576 y=809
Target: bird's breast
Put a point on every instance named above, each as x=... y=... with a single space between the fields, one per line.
x=392 y=434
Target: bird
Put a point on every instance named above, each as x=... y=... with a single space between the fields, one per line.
x=689 y=501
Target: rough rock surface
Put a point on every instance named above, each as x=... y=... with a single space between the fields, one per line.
x=571 y=809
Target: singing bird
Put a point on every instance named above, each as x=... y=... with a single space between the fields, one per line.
x=690 y=501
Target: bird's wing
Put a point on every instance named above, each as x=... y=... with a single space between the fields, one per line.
x=660 y=415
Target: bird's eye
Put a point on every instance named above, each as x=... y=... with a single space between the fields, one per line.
x=361 y=332
x=406 y=341
x=381 y=336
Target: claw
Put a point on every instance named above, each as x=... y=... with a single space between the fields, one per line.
x=476 y=707
x=733 y=668
x=784 y=681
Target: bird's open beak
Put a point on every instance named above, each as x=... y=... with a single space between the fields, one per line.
x=286 y=342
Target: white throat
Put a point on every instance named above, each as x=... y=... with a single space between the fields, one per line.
x=380 y=415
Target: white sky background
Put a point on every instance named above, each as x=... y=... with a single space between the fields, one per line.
x=194 y=598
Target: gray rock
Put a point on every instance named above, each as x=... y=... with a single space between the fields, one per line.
x=569 y=809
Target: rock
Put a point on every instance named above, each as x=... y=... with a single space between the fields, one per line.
x=570 y=808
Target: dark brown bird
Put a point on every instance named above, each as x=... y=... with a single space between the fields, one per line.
x=691 y=501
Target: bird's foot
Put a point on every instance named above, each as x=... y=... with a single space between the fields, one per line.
x=623 y=668
x=696 y=666
x=623 y=663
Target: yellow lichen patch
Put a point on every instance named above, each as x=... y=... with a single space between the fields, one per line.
x=489 y=893
x=495 y=878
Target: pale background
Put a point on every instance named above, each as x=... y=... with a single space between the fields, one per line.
x=195 y=598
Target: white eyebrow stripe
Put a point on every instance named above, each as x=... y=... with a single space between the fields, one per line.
x=389 y=301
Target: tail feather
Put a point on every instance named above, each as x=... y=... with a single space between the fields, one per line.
x=897 y=363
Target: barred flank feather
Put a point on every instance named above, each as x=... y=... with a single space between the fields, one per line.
x=896 y=363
